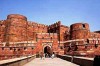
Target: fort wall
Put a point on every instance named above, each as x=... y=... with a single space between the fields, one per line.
x=16 y=31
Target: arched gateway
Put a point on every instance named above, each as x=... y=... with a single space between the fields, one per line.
x=47 y=49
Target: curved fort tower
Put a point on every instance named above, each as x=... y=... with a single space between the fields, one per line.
x=16 y=27
x=79 y=31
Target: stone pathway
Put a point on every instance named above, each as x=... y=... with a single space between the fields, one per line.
x=49 y=62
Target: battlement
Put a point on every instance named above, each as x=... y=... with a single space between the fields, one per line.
x=78 y=26
x=36 y=24
x=64 y=26
x=55 y=24
x=18 y=16
x=1 y=21
x=47 y=33
x=97 y=31
x=94 y=35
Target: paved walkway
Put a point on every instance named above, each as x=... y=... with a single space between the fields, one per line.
x=49 y=62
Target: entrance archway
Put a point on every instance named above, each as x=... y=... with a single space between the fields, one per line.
x=48 y=50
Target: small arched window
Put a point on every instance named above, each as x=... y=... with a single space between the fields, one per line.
x=42 y=37
x=51 y=38
x=10 y=48
x=24 y=48
x=96 y=45
x=14 y=49
x=2 y=48
x=83 y=25
x=87 y=40
x=32 y=48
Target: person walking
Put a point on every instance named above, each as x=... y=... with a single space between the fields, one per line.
x=41 y=55
x=53 y=55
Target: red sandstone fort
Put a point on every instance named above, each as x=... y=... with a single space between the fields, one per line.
x=20 y=37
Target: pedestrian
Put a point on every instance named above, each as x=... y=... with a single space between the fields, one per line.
x=41 y=55
x=53 y=55
x=46 y=55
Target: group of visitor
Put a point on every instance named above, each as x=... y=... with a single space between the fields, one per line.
x=47 y=55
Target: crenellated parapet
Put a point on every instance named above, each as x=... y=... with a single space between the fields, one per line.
x=54 y=28
x=97 y=31
x=37 y=27
x=57 y=24
x=1 y=21
x=59 y=29
x=46 y=37
x=18 y=16
x=64 y=26
x=94 y=35
x=79 y=26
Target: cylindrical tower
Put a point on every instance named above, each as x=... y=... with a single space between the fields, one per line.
x=79 y=31
x=16 y=27
x=17 y=16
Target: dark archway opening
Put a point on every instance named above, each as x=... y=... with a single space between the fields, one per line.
x=47 y=51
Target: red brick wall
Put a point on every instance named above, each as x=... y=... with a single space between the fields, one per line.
x=2 y=30
x=63 y=32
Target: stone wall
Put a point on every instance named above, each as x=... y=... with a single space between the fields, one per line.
x=63 y=30
x=2 y=30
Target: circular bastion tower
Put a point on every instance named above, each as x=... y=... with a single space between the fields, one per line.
x=16 y=26
x=17 y=16
x=79 y=31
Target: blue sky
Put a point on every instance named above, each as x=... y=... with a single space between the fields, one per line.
x=51 y=11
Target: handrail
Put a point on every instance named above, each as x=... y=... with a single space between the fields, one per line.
x=82 y=61
x=15 y=59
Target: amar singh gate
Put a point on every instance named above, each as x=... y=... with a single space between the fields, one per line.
x=19 y=37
